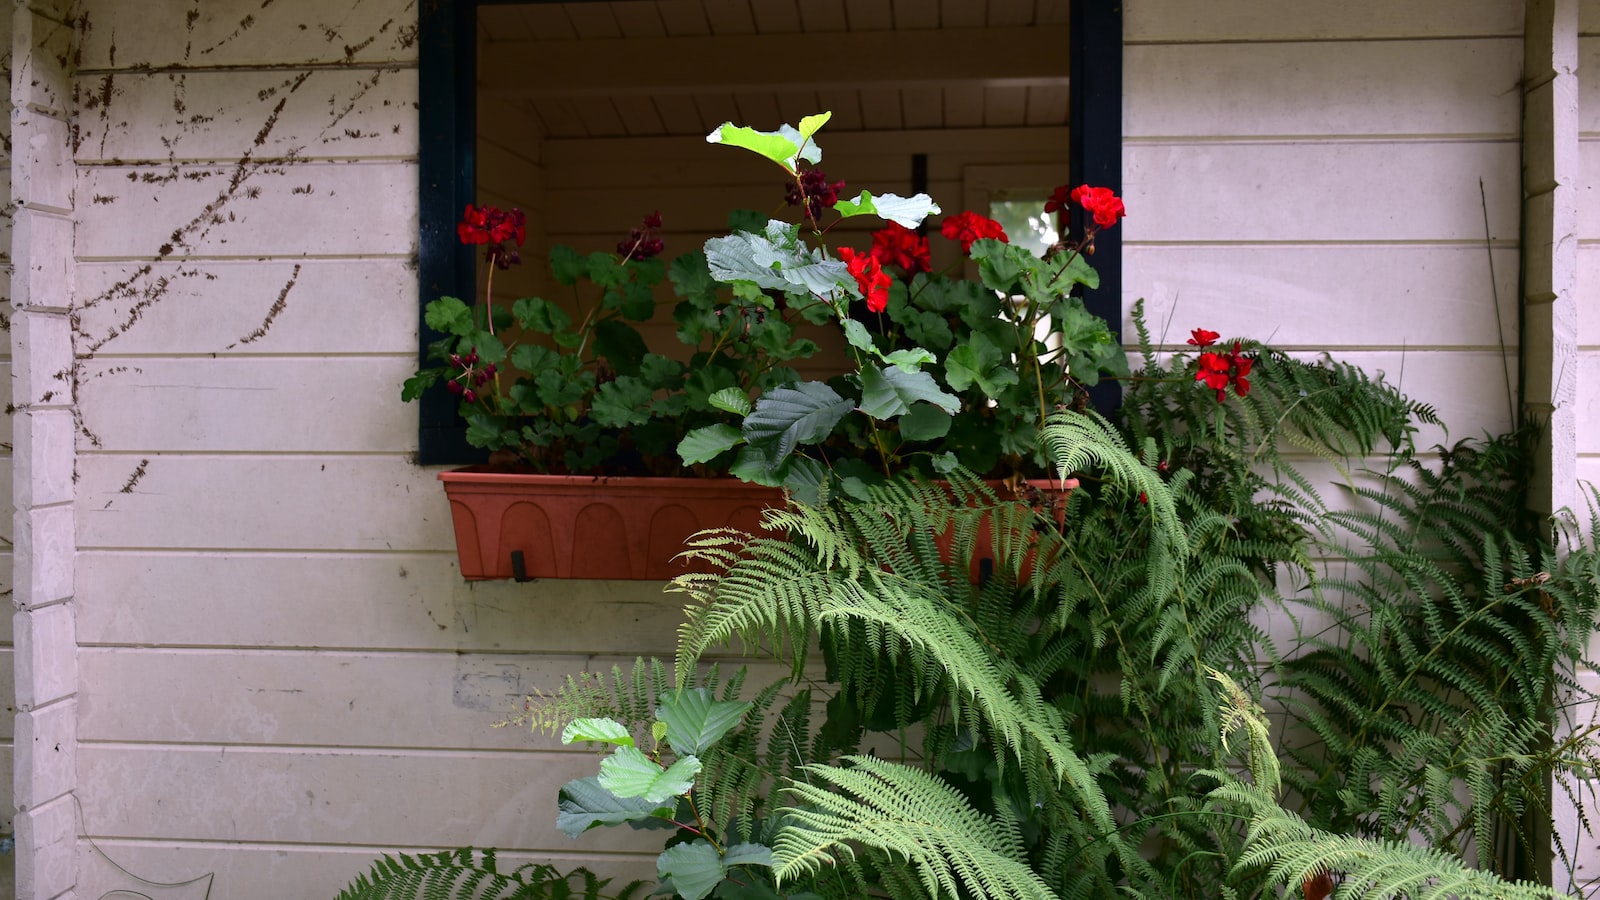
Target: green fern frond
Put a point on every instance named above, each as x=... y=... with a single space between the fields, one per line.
x=471 y=874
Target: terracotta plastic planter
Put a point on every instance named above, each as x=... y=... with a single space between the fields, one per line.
x=579 y=526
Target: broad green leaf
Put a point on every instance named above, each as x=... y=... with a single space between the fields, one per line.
x=531 y=359
x=811 y=124
x=450 y=316
x=704 y=444
x=786 y=146
x=747 y=855
x=889 y=392
x=924 y=422
x=661 y=372
x=539 y=314
x=416 y=384
x=778 y=259
x=695 y=720
x=751 y=466
x=621 y=346
x=784 y=417
x=566 y=265
x=692 y=281
x=859 y=337
x=695 y=868
x=906 y=211
x=979 y=362
x=731 y=400
x=805 y=479
x=621 y=402
x=627 y=772
x=604 y=731
x=945 y=463
x=585 y=804
x=488 y=348
x=910 y=360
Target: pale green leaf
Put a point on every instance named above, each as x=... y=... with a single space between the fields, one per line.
x=695 y=720
x=584 y=804
x=627 y=772
x=600 y=731
x=695 y=869
x=889 y=392
x=704 y=444
x=730 y=399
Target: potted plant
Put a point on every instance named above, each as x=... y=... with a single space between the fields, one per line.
x=943 y=371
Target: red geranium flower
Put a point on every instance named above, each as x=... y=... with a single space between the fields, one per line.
x=869 y=276
x=494 y=226
x=1057 y=201
x=969 y=226
x=641 y=242
x=1203 y=338
x=1218 y=370
x=898 y=245
x=1102 y=203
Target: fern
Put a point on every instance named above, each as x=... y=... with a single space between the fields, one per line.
x=469 y=874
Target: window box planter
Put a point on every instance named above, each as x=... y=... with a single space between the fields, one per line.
x=525 y=526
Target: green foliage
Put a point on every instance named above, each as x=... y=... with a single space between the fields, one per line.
x=469 y=874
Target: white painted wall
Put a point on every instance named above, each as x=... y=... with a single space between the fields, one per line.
x=280 y=672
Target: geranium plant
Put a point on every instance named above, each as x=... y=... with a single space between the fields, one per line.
x=944 y=370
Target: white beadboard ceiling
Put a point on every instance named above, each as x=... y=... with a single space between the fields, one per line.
x=680 y=67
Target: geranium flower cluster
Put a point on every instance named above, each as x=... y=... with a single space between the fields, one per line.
x=495 y=227
x=641 y=242
x=1218 y=370
x=968 y=227
x=813 y=191
x=897 y=245
x=1102 y=204
x=870 y=277
x=469 y=376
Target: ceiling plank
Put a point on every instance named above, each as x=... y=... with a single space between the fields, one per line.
x=777 y=16
x=910 y=14
x=679 y=114
x=639 y=115
x=845 y=105
x=870 y=15
x=683 y=17
x=593 y=21
x=881 y=107
x=503 y=23
x=923 y=106
x=1010 y=12
x=639 y=20
x=962 y=14
x=730 y=16
x=963 y=106
x=547 y=22
x=986 y=57
x=1005 y=107
x=1047 y=105
x=823 y=16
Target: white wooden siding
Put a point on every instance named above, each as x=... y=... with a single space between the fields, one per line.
x=1588 y=324
x=7 y=680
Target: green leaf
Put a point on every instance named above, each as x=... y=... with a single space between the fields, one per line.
x=777 y=259
x=695 y=720
x=621 y=345
x=621 y=402
x=695 y=868
x=979 y=362
x=488 y=347
x=859 y=337
x=747 y=855
x=450 y=316
x=805 y=480
x=889 y=392
x=661 y=372
x=627 y=772
x=945 y=463
x=906 y=211
x=603 y=731
x=786 y=146
x=531 y=359
x=910 y=360
x=416 y=384
x=704 y=444
x=732 y=400
x=633 y=299
x=751 y=466
x=584 y=804
x=566 y=265
x=538 y=314
x=787 y=416
x=924 y=422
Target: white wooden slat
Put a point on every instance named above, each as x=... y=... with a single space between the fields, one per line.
x=910 y=14
x=360 y=209
x=730 y=16
x=1588 y=18
x=1010 y=12
x=1589 y=84
x=290 y=405
x=716 y=109
x=963 y=13
x=1338 y=296
x=870 y=15
x=963 y=106
x=548 y=21
x=507 y=178
x=1047 y=105
x=559 y=117
x=503 y=23
x=1327 y=191
x=511 y=122
x=759 y=110
x=485 y=799
x=1005 y=107
x=1245 y=20
x=679 y=115
x=326 y=698
x=158 y=33
x=846 y=108
x=796 y=105
x=276 y=871
x=824 y=16
x=380 y=601
x=1588 y=406
x=639 y=115
x=639 y=19
x=923 y=107
x=329 y=113
x=683 y=17
x=178 y=309
x=777 y=16
x=304 y=502
x=1385 y=87
x=1588 y=276
x=593 y=21
x=600 y=118
x=1589 y=175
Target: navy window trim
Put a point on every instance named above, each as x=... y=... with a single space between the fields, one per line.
x=447 y=64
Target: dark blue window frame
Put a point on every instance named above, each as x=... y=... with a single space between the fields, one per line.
x=447 y=63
